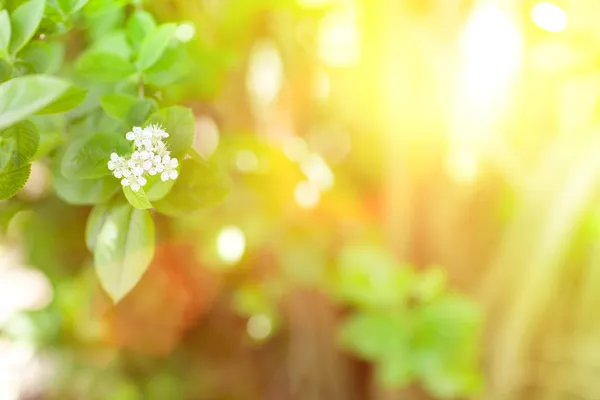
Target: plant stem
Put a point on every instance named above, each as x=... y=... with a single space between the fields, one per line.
x=141 y=87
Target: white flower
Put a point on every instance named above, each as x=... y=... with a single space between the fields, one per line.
x=151 y=156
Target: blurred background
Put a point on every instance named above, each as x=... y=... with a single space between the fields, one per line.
x=414 y=214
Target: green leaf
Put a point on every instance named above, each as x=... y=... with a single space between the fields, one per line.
x=83 y=191
x=117 y=105
x=173 y=65
x=87 y=158
x=139 y=25
x=140 y=112
x=377 y=336
x=37 y=55
x=23 y=96
x=124 y=249
x=368 y=276
x=4 y=33
x=137 y=199
x=71 y=6
x=114 y=43
x=104 y=67
x=25 y=21
x=13 y=180
x=179 y=123
x=198 y=186
x=154 y=45
x=94 y=223
x=156 y=188
x=69 y=100
x=18 y=145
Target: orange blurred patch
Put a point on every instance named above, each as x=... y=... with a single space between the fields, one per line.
x=172 y=295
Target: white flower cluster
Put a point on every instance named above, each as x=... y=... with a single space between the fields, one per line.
x=150 y=157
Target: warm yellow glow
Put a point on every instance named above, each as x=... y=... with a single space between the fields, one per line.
x=462 y=165
x=317 y=171
x=246 y=161
x=313 y=3
x=265 y=73
x=549 y=17
x=295 y=148
x=259 y=327
x=492 y=51
x=339 y=41
x=307 y=194
x=231 y=244
x=206 y=138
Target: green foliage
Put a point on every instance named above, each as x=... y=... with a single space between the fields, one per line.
x=137 y=199
x=154 y=45
x=199 y=185
x=408 y=324
x=123 y=248
x=26 y=95
x=179 y=123
x=87 y=158
x=24 y=21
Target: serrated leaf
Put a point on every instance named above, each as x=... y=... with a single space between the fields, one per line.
x=124 y=249
x=137 y=199
x=23 y=96
x=25 y=21
x=117 y=105
x=198 y=186
x=104 y=67
x=180 y=124
x=68 y=101
x=13 y=180
x=37 y=55
x=88 y=158
x=94 y=223
x=139 y=25
x=154 y=45
x=4 y=33
x=18 y=145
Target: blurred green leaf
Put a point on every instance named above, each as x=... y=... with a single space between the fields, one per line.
x=104 y=67
x=71 y=6
x=140 y=23
x=198 y=186
x=369 y=276
x=67 y=101
x=5 y=32
x=124 y=249
x=173 y=65
x=24 y=22
x=154 y=45
x=179 y=123
x=23 y=96
x=117 y=105
x=114 y=43
x=94 y=223
x=37 y=55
